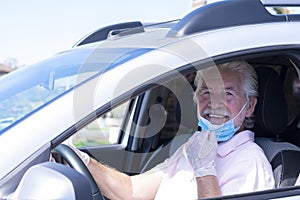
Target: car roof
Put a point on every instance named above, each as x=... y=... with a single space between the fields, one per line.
x=212 y=16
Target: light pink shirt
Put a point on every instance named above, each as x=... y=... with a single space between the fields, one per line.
x=241 y=167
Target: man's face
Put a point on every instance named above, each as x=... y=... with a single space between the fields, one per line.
x=221 y=97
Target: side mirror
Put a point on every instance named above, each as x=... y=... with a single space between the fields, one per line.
x=51 y=180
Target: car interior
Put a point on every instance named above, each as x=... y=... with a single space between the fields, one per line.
x=271 y=122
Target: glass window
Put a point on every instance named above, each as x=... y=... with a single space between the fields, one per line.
x=104 y=130
x=27 y=90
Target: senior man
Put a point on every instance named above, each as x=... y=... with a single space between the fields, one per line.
x=221 y=159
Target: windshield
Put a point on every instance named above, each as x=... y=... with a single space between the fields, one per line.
x=30 y=88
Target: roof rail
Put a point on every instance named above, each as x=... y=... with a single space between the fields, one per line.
x=226 y=14
x=105 y=32
x=280 y=2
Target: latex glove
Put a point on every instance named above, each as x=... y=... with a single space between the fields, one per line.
x=82 y=155
x=201 y=151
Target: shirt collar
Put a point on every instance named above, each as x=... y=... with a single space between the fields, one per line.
x=238 y=139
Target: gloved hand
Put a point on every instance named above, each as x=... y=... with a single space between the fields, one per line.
x=201 y=151
x=82 y=155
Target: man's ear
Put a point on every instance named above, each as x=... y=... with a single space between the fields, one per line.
x=251 y=106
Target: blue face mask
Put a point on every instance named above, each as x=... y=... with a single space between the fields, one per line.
x=223 y=131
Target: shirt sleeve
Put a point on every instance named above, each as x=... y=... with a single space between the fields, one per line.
x=152 y=179
x=168 y=165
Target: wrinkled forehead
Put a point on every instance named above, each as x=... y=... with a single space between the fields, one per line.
x=215 y=78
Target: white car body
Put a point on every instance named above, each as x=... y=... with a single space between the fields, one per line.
x=166 y=55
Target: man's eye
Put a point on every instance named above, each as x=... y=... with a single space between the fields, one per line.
x=205 y=94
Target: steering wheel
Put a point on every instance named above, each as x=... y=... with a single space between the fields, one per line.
x=75 y=162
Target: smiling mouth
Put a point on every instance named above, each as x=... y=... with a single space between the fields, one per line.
x=216 y=118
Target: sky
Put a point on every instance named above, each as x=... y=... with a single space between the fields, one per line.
x=33 y=30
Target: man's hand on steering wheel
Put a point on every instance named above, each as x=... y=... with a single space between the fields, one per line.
x=79 y=161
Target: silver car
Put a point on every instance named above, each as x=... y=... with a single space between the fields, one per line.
x=123 y=94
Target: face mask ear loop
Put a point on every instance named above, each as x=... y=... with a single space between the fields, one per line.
x=242 y=109
x=198 y=114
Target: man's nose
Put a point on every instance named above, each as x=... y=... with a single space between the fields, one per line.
x=217 y=101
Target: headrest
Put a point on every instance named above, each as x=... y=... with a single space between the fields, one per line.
x=270 y=113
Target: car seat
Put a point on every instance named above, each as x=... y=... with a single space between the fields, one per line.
x=270 y=124
x=186 y=117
